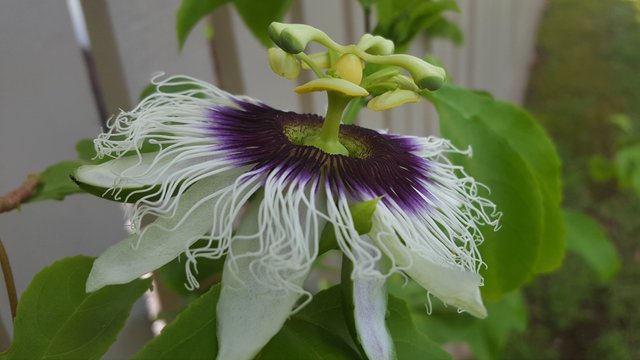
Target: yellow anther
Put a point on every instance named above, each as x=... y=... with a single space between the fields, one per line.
x=349 y=67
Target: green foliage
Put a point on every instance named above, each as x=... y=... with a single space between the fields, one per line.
x=401 y=20
x=587 y=239
x=627 y=165
x=578 y=89
x=190 y=13
x=515 y=159
x=409 y=342
x=257 y=15
x=525 y=136
x=173 y=275
x=55 y=182
x=57 y=319
x=361 y=213
x=318 y=331
x=486 y=337
x=192 y=335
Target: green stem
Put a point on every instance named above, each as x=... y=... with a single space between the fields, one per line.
x=9 y=283
x=328 y=139
x=312 y=64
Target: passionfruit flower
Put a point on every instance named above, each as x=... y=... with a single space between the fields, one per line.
x=257 y=185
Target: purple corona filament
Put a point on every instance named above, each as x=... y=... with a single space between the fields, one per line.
x=256 y=135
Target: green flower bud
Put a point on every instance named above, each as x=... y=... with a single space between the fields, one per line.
x=274 y=30
x=392 y=99
x=283 y=64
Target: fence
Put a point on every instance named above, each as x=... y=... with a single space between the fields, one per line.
x=47 y=102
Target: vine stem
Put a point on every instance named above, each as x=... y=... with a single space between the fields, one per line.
x=8 y=280
x=13 y=199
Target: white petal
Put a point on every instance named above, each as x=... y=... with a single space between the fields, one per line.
x=249 y=312
x=452 y=285
x=370 y=302
x=162 y=241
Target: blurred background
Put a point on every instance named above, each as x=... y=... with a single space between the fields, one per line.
x=66 y=66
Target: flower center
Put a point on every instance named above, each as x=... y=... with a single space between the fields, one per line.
x=300 y=133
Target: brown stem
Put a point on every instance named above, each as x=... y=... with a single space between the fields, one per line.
x=8 y=280
x=16 y=197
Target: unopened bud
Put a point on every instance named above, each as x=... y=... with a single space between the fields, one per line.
x=392 y=99
x=283 y=64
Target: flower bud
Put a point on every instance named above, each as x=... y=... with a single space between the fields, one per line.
x=349 y=67
x=392 y=99
x=283 y=64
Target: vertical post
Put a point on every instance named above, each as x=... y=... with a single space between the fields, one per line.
x=103 y=59
x=224 y=52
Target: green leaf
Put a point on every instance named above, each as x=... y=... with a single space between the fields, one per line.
x=190 y=13
x=325 y=312
x=361 y=213
x=409 y=342
x=87 y=152
x=446 y=29
x=529 y=140
x=486 y=337
x=57 y=319
x=510 y=253
x=55 y=182
x=173 y=274
x=257 y=15
x=401 y=20
x=587 y=239
x=300 y=339
x=191 y=336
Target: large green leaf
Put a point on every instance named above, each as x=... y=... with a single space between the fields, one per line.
x=257 y=15
x=55 y=182
x=586 y=238
x=57 y=319
x=525 y=136
x=191 y=336
x=511 y=252
x=190 y=13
